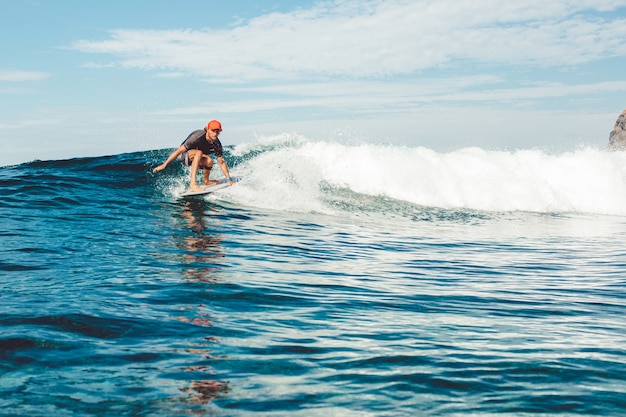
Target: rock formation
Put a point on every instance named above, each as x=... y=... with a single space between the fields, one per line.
x=617 y=138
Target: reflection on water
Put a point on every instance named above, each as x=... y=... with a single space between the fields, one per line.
x=200 y=248
x=203 y=392
x=200 y=245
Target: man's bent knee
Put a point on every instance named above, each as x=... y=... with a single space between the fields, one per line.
x=195 y=153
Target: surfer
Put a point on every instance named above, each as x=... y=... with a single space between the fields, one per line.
x=195 y=151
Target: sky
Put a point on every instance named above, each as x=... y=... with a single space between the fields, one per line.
x=89 y=78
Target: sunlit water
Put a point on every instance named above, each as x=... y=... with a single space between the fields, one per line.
x=331 y=280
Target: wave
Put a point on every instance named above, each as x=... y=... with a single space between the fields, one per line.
x=293 y=173
x=297 y=174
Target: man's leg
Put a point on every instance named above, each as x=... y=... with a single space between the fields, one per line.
x=196 y=156
x=208 y=164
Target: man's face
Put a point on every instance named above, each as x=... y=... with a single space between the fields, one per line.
x=212 y=134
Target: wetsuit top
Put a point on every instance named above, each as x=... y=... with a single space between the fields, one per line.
x=197 y=140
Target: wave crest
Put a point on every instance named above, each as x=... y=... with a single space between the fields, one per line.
x=305 y=175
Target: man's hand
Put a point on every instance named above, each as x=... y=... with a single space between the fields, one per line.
x=159 y=168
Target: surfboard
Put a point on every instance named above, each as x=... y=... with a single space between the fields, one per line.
x=206 y=189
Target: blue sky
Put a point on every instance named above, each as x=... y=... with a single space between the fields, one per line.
x=88 y=78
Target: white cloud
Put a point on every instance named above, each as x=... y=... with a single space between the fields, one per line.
x=352 y=38
x=394 y=96
x=28 y=124
x=20 y=76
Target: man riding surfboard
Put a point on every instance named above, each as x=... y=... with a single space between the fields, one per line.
x=195 y=152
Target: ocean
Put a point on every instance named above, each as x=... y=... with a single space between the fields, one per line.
x=334 y=279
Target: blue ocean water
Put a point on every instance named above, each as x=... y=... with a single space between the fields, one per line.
x=332 y=280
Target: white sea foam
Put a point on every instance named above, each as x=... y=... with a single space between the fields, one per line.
x=287 y=173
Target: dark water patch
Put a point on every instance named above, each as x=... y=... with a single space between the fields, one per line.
x=11 y=267
x=36 y=250
x=19 y=344
x=101 y=328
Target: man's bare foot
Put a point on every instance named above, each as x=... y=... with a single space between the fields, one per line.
x=195 y=187
x=211 y=182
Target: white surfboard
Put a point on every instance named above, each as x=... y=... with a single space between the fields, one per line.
x=206 y=189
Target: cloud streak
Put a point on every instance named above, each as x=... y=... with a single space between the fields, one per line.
x=348 y=96
x=355 y=39
x=22 y=76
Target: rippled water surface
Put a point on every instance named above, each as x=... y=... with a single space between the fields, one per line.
x=120 y=299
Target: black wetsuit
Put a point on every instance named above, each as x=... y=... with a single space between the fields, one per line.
x=197 y=140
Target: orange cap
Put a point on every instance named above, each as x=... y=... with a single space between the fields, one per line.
x=214 y=124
